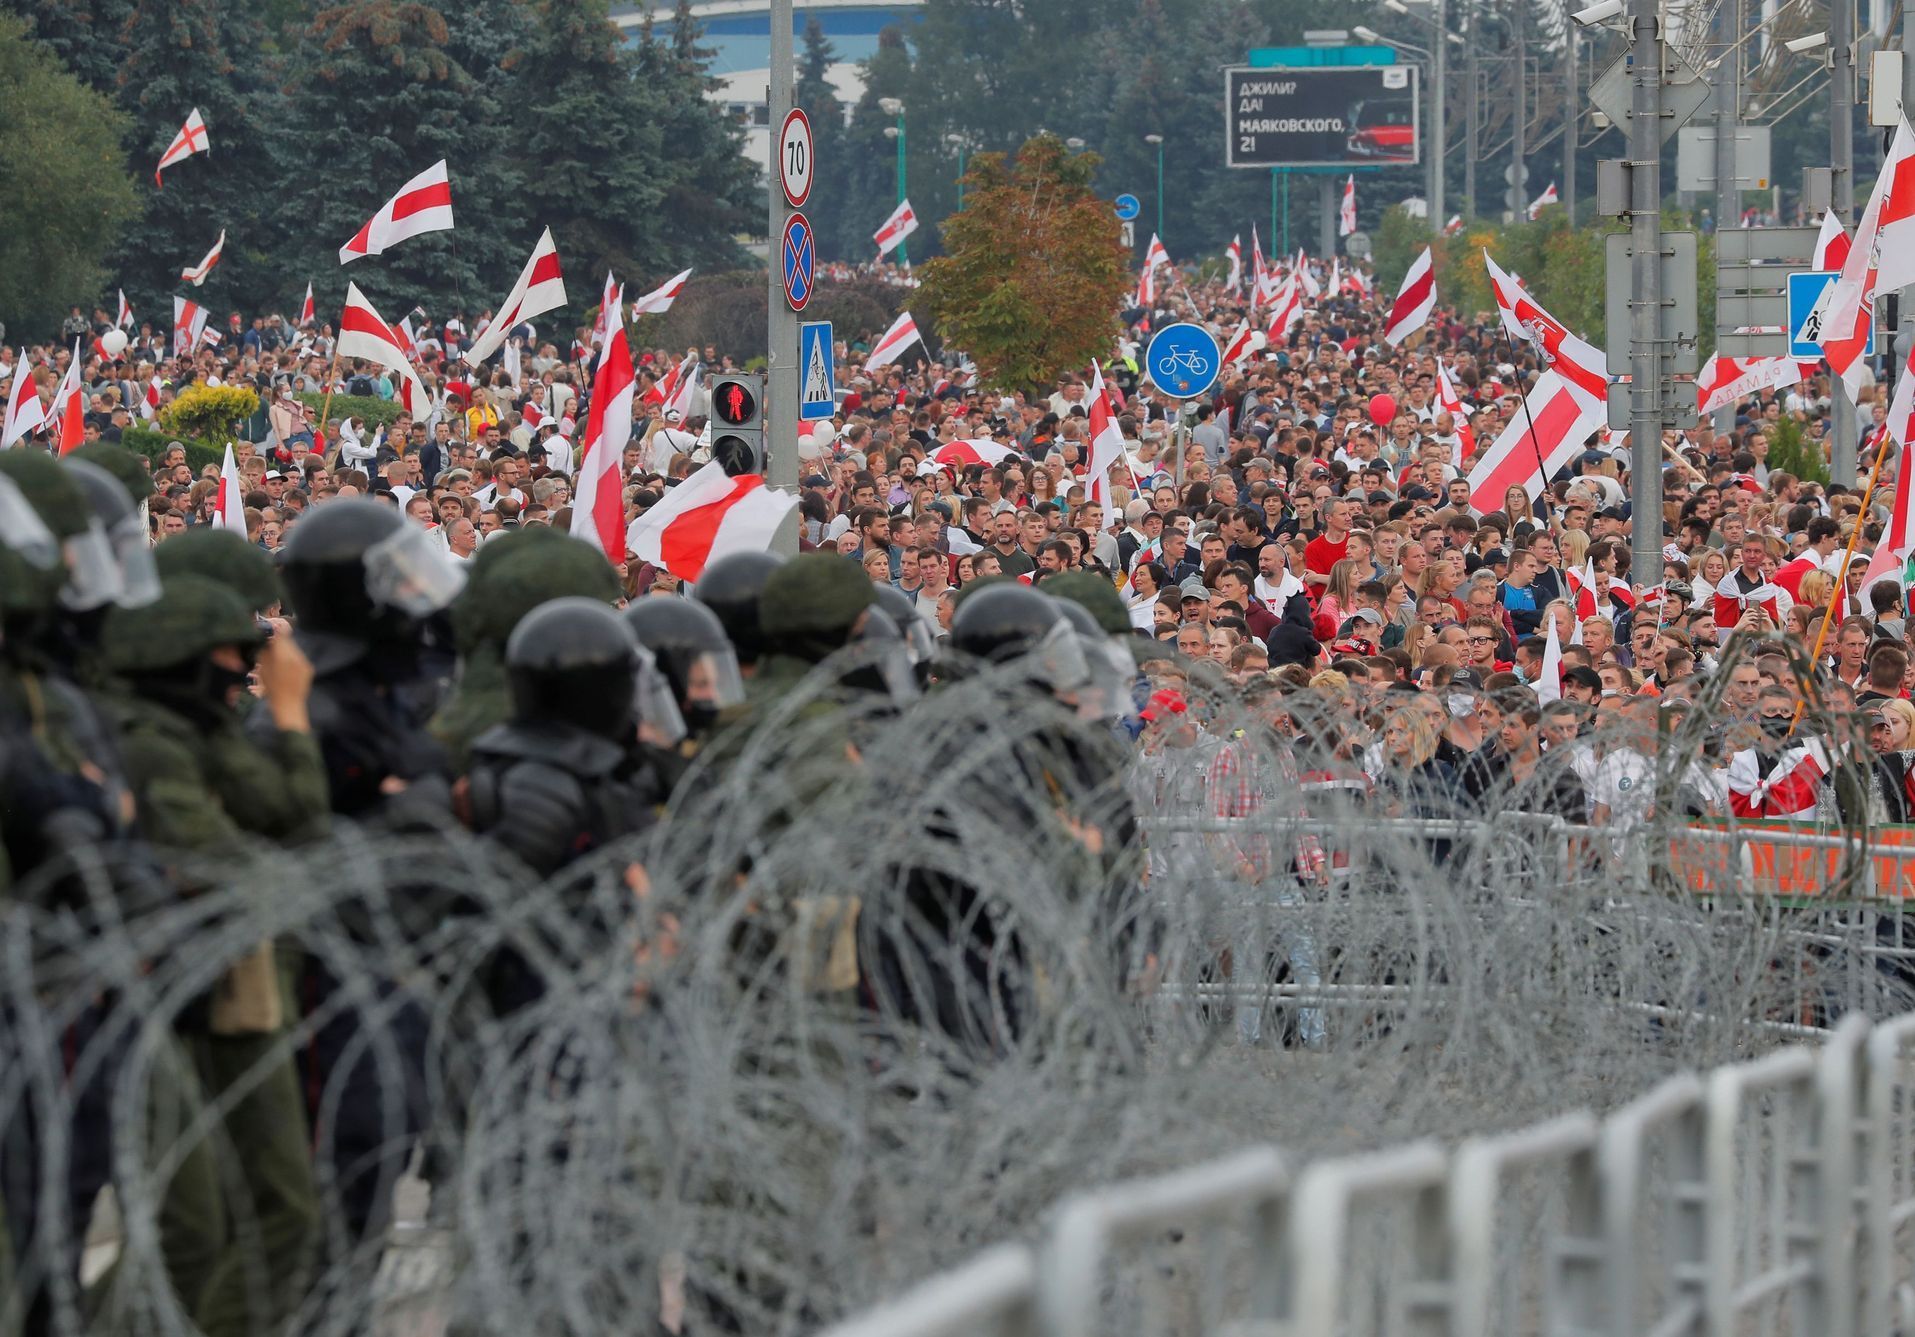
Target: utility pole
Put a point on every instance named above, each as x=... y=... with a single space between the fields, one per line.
x=1645 y=308
x=1842 y=202
x=781 y=322
x=1728 y=100
x=1518 y=130
x=1471 y=126
x=1572 y=117
x=1327 y=207
x=1439 y=132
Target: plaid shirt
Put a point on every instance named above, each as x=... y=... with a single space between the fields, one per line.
x=1247 y=781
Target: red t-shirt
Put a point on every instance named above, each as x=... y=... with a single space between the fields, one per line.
x=1319 y=554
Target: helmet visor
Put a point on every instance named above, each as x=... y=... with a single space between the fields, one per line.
x=918 y=640
x=139 y=573
x=715 y=677
x=409 y=571
x=1108 y=695
x=23 y=531
x=654 y=703
x=1060 y=661
x=93 y=578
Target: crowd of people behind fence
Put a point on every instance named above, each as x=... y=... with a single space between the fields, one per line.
x=1286 y=605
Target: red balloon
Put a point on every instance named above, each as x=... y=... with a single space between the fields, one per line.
x=1382 y=409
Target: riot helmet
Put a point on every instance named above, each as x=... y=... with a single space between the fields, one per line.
x=574 y=661
x=693 y=653
x=731 y=587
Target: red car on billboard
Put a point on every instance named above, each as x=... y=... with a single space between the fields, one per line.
x=1383 y=129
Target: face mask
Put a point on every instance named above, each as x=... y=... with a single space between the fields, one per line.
x=1777 y=726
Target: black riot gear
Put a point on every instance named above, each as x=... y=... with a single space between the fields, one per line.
x=694 y=654
x=574 y=661
x=730 y=587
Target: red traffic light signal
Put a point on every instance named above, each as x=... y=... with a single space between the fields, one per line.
x=734 y=404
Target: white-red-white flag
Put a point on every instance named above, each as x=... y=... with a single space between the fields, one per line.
x=1831 y=244
x=1725 y=380
x=1537 y=442
x=1244 y=344
x=150 y=401
x=229 y=507
x=1881 y=259
x=1346 y=216
x=659 y=300
x=364 y=333
x=25 y=413
x=902 y=334
x=1549 y=683
x=1286 y=309
x=962 y=454
x=189 y=323
x=541 y=288
x=125 y=319
x=1234 y=255
x=197 y=274
x=1892 y=553
x=1414 y=300
x=1446 y=399
x=423 y=204
x=1106 y=441
x=667 y=387
x=598 y=510
x=190 y=140
x=1543 y=201
x=1311 y=288
x=1583 y=366
x=708 y=516
x=1258 y=271
x=1454 y=226
x=306 y=307
x=901 y=224
x=69 y=407
x=611 y=312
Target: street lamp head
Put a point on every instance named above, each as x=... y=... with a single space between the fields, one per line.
x=1600 y=12
x=890 y=132
x=1073 y=143
x=1396 y=6
x=1809 y=43
x=1367 y=34
x=1153 y=139
x=890 y=106
x=955 y=139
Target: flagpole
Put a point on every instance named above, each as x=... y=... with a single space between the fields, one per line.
x=1534 y=444
x=325 y=408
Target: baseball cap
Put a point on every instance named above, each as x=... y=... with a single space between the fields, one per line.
x=1193 y=588
x=1368 y=615
x=815 y=480
x=1466 y=680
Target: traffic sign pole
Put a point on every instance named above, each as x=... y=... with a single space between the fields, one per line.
x=781 y=322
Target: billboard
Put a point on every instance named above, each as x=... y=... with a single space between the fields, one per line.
x=1326 y=116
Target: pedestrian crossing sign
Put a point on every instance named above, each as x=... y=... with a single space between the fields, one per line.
x=1808 y=305
x=817 y=393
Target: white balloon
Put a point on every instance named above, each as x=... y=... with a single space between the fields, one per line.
x=823 y=433
x=810 y=448
x=114 y=342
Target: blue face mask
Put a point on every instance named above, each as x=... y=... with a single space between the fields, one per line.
x=1521 y=676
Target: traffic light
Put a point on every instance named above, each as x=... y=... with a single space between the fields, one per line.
x=738 y=424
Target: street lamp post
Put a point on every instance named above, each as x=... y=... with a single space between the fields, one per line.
x=1158 y=140
x=957 y=142
x=1437 y=54
x=890 y=106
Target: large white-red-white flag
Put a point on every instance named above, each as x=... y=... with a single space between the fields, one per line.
x=125 y=319
x=1831 y=244
x=1725 y=380
x=964 y=454
x=197 y=274
x=1538 y=441
x=423 y=204
x=229 y=506
x=306 y=307
x=190 y=140
x=69 y=407
x=672 y=392
x=1311 y=288
x=709 y=515
x=364 y=333
x=189 y=323
x=902 y=334
x=1898 y=543
x=598 y=509
x=1543 y=201
x=659 y=300
x=1106 y=441
x=25 y=413
x=150 y=401
x=1346 y=216
x=1581 y=365
x=1446 y=399
x=1242 y=345
x=1881 y=259
x=1286 y=309
x=1415 y=299
x=1234 y=255
x=541 y=288
x=901 y=224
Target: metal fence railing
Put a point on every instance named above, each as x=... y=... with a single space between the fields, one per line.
x=1768 y=1196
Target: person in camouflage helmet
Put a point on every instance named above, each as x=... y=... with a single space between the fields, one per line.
x=811 y=608
x=131 y=471
x=1095 y=594
x=508 y=578
x=222 y=556
x=184 y=662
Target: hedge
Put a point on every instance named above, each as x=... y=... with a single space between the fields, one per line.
x=146 y=441
x=377 y=412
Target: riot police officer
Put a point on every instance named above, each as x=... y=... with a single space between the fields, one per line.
x=700 y=668
x=731 y=588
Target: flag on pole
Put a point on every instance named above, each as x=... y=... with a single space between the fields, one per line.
x=708 y=516
x=1154 y=256
x=1286 y=309
x=1415 y=299
x=150 y=401
x=1893 y=552
x=1881 y=258
x=1583 y=366
x=1447 y=401
x=69 y=407
x=189 y=323
x=1563 y=417
x=423 y=204
x=190 y=140
x=611 y=312
x=659 y=300
x=1543 y=201
x=1724 y=380
x=1831 y=244
x=24 y=411
x=229 y=509
x=1106 y=442
x=125 y=319
x=1311 y=288
x=1257 y=271
x=902 y=334
x=1454 y=226
x=197 y=274
x=1346 y=216
x=1549 y=683
x=1234 y=254
x=1243 y=344
x=306 y=307
x=541 y=288
x=598 y=511
x=363 y=333
x=901 y=224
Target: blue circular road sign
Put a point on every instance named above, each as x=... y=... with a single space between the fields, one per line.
x=1183 y=360
x=799 y=253
x=1127 y=208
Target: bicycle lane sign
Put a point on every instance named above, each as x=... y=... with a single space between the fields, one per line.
x=1183 y=360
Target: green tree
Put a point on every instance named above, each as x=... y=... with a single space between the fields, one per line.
x=865 y=172
x=378 y=97
x=1034 y=272
x=68 y=192
x=89 y=36
x=814 y=93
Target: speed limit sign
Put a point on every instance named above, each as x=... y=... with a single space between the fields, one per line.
x=795 y=159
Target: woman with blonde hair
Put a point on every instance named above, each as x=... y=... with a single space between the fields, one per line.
x=1339 y=593
x=1412 y=779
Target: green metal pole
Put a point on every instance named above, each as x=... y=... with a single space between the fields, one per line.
x=1273 y=203
x=903 y=257
x=1286 y=211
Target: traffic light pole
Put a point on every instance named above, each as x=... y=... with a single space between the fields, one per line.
x=1645 y=307
x=1842 y=203
x=781 y=322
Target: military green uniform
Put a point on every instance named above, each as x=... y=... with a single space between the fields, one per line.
x=206 y=788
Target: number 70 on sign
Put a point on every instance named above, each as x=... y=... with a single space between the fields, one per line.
x=796 y=160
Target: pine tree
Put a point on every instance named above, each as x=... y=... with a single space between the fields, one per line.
x=869 y=174
x=182 y=54
x=379 y=97
x=814 y=93
x=89 y=36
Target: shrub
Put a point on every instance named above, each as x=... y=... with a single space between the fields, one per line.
x=211 y=412
x=143 y=440
x=1791 y=451
x=377 y=412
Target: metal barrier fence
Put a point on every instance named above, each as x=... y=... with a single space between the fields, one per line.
x=1769 y=1196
